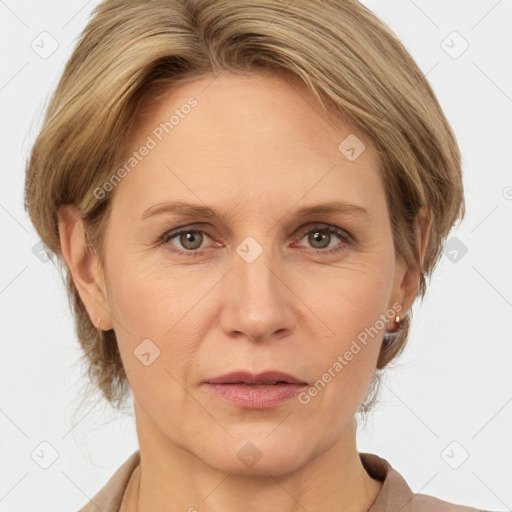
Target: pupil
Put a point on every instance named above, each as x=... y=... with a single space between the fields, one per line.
x=191 y=237
x=318 y=236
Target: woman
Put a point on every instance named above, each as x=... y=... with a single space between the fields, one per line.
x=247 y=198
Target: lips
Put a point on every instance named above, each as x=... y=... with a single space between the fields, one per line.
x=262 y=379
x=247 y=390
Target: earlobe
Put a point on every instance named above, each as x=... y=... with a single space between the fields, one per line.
x=82 y=262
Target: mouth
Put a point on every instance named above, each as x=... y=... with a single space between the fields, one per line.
x=255 y=391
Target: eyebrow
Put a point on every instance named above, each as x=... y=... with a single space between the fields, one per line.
x=206 y=212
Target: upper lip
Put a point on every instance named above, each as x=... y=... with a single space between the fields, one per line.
x=243 y=377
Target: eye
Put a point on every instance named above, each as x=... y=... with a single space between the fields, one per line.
x=320 y=237
x=189 y=240
x=192 y=241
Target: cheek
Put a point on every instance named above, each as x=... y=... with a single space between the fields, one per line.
x=155 y=312
x=351 y=300
x=356 y=311
x=345 y=363
x=142 y=308
x=143 y=297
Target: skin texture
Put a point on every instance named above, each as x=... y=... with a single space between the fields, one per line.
x=256 y=148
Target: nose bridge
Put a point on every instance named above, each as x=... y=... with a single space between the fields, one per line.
x=257 y=299
x=252 y=270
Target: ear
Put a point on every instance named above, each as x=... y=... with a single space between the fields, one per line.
x=83 y=263
x=407 y=280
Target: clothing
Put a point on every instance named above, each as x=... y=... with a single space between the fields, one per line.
x=394 y=496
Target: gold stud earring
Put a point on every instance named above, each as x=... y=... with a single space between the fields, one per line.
x=396 y=325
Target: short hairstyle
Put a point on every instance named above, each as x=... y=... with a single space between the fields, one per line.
x=349 y=59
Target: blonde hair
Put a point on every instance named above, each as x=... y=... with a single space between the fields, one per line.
x=351 y=61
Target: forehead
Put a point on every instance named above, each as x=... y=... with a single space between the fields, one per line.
x=255 y=134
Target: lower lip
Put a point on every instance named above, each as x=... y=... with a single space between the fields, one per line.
x=250 y=397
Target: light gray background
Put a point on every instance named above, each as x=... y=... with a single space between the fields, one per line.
x=452 y=384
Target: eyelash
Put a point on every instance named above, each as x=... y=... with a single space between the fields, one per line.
x=342 y=234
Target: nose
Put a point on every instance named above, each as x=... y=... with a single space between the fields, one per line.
x=258 y=304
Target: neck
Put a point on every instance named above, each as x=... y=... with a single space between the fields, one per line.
x=176 y=480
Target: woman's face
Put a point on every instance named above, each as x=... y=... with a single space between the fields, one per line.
x=261 y=285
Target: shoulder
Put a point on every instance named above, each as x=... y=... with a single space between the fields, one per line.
x=110 y=496
x=396 y=494
x=424 y=503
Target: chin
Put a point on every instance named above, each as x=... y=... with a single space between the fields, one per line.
x=276 y=465
x=261 y=455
